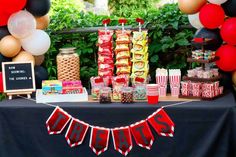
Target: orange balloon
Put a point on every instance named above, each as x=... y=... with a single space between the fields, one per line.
x=42 y=22
x=24 y=56
x=10 y=46
x=234 y=77
x=191 y=6
x=39 y=59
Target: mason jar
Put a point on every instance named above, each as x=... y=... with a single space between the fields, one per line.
x=68 y=65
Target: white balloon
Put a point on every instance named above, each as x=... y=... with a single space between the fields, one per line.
x=217 y=1
x=21 y=24
x=37 y=43
x=195 y=20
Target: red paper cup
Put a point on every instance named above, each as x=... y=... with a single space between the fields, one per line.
x=1 y=83
x=152 y=99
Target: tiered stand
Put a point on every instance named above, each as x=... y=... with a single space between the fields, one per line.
x=203 y=63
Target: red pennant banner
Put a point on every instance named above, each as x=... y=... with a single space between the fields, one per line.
x=99 y=138
x=162 y=123
x=122 y=140
x=76 y=132
x=142 y=134
x=57 y=121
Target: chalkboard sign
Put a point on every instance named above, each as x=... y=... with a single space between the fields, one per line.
x=18 y=77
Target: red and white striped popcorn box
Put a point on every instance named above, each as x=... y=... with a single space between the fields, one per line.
x=221 y=90
x=175 y=91
x=185 y=85
x=208 y=94
x=161 y=80
x=196 y=85
x=162 y=91
x=216 y=85
x=196 y=93
x=217 y=92
x=185 y=92
x=208 y=86
x=175 y=80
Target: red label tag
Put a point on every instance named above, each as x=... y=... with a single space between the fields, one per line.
x=139 y=20
x=76 y=132
x=99 y=138
x=162 y=123
x=122 y=140
x=142 y=134
x=57 y=121
x=106 y=21
x=122 y=21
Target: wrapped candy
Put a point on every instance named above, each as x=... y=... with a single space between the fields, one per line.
x=140 y=92
x=97 y=83
x=117 y=83
x=105 y=95
x=127 y=95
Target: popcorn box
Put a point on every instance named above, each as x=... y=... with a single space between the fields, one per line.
x=162 y=91
x=196 y=93
x=208 y=94
x=51 y=87
x=208 y=86
x=161 y=80
x=185 y=92
x=175 y=91
x=196 y=85
x=221 y=90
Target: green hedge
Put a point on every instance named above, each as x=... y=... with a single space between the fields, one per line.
x=168 y=44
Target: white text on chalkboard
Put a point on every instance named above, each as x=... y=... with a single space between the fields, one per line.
x=18 y=72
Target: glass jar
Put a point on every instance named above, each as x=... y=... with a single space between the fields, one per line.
x=140 y=92
x=68 y=65
x=105 y=95
x=127 y=95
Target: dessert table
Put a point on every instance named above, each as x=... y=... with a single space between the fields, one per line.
x=202 y=128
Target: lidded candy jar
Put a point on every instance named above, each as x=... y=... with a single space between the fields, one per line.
x=68 y=65
x=127 y=95
x=105 y=95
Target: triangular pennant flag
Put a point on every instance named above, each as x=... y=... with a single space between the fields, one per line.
x=122 y=140
x=142 y=134
x=57 y=121
x=162 y=123
x=76 y=132
x=99 y=138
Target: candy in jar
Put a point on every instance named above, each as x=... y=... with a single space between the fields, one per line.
x=127 y=95
x=140 y=92
x=105 y=95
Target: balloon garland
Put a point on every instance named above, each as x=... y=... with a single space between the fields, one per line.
x=216 y=20
x=22 y=35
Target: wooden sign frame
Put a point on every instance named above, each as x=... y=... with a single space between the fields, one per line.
x=18 y=91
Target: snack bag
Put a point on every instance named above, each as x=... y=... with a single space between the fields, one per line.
x=123 y=55
x=117 y=83
x=96 y=84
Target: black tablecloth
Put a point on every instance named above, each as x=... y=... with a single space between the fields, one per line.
x=203 y=129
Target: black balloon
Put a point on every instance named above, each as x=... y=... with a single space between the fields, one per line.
x=4 y=59
x=40 y=75
x=212 y=34
x=38 y=7
x=230 y=8
x=4 y=32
